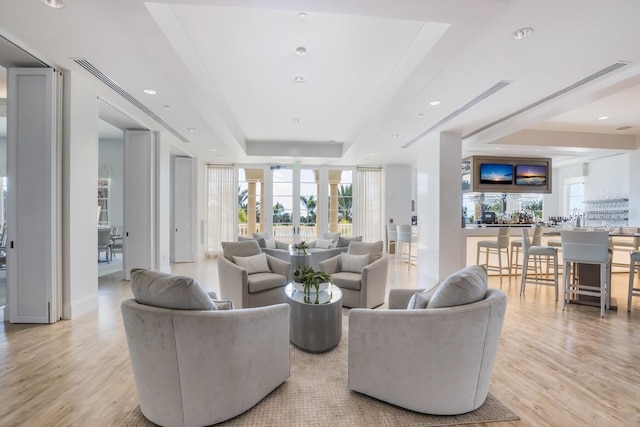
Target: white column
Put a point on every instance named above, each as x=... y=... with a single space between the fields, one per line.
x=439 y=207
x=163 y=203
x=633 y=187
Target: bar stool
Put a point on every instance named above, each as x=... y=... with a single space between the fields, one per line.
x=549 y=253
x=515 y=246
x=495 y=247
x=634 y=257
x=404 y=236
x=392 y=237
x=586 y=248
x=625 y=243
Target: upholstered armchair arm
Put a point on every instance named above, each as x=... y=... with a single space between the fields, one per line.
x=279 y=266
x=278 y=253
x=399 y=298
x=212 y=295
x=331 y=265
x=234 y=281
x=282 y=245
x=374 y=281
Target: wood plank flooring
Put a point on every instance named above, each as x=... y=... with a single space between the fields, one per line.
x=553 y=368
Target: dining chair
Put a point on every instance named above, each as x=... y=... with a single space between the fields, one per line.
x=404 y=236
x=495 y=247
x=538 y=252
x=634 y=263
x=392 y=237
x=579 y=248
x=104 y=243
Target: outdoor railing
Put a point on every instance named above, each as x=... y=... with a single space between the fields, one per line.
x=284 y=233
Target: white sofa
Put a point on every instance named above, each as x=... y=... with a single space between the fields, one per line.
x=435 y=360
x=197 y=367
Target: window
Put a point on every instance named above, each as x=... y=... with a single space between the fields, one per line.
x=575 y=196
x=221 y=212
x=103 y=202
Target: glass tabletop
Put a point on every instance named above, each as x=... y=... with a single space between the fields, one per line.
x=331 y=295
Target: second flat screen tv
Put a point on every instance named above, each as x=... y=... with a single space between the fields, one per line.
x=496 y=173
x=531 y=175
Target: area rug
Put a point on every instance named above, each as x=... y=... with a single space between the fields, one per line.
x=316 y=394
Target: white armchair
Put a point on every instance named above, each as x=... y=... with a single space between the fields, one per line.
x=435 y=360
x=247 y=287
x=366 y=284
x=197 y=365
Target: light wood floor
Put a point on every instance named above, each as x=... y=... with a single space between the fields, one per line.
x=553 y=368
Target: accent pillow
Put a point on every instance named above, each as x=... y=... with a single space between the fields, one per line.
x=270 y=243
x=466 y=286
x=343 y=242
x=353 y=263
x=420 y=300
x=332 y=236
x=265 y=236
x=324 y=244
x=167 y=291
x=253 y=264
x=224 y=304
x=373 y=249
x=261 y=242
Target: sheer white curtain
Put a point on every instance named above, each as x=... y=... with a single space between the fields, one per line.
x=221 y=207
x=369 y=221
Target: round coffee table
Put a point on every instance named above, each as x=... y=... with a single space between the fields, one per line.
x=316 y=321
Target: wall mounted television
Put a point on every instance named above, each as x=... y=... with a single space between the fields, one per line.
x=496 y=173
x=507 y=174
x=531 y=175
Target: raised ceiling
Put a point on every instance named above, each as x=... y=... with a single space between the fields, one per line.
x=225 y=68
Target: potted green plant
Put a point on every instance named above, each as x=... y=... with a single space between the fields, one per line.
x=301 y=248
x=311 y=280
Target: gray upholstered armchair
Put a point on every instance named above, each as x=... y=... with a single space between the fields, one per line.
x=194 y=363
x=361 y=274
x=432 y=360
x=251 y=278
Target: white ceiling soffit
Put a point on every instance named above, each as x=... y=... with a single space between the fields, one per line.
x=601 y=73
x=295 y=149
x=13 y=56
x=349 y=71
x=126 y=95
x=117 y=118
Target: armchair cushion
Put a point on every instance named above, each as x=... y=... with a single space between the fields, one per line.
x=421 y=299
x=332 y=236
x=265 y=236
x=374 y=250
x=324 y=244
x=353 y=263
x=270 y=243
x=347 y=280
x=466 y=286
x=253 y=264
x=259 y=282
x=261 y=242
x=167 y=291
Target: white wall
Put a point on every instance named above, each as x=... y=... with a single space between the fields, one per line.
x=79 y=189
x=397 y=190
x=3 y=156
x=634 y=190
x=110 y=165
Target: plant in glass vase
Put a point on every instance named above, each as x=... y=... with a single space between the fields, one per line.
x=301 y=248
x=311 y=280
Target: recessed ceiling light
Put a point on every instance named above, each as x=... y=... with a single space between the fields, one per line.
x=522 y=33
x=603 y=117
x=302 y=16
x=420 y=114
x=301 y=51
x=213 y=149
x=166 y=106
x=296 y=120
x=497 y=148
x=191 y=129
x=372 y=154
x=538 y=149
x=395 y=135
x=150 y=91
x=434 y=102
x=56 y=4
x=298 y=79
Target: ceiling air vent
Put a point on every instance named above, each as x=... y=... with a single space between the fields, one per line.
x=126 y=95
x=484 y=95
x=588 y=79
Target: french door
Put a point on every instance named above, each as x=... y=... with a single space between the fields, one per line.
x=294 y=203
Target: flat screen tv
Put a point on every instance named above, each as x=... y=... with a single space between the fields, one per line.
x=496 y=173
x=531 y=175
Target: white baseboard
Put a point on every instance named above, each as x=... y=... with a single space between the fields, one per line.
x=81 y=306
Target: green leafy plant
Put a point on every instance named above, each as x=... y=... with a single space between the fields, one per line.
x=310 y=278
x=301 y=248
